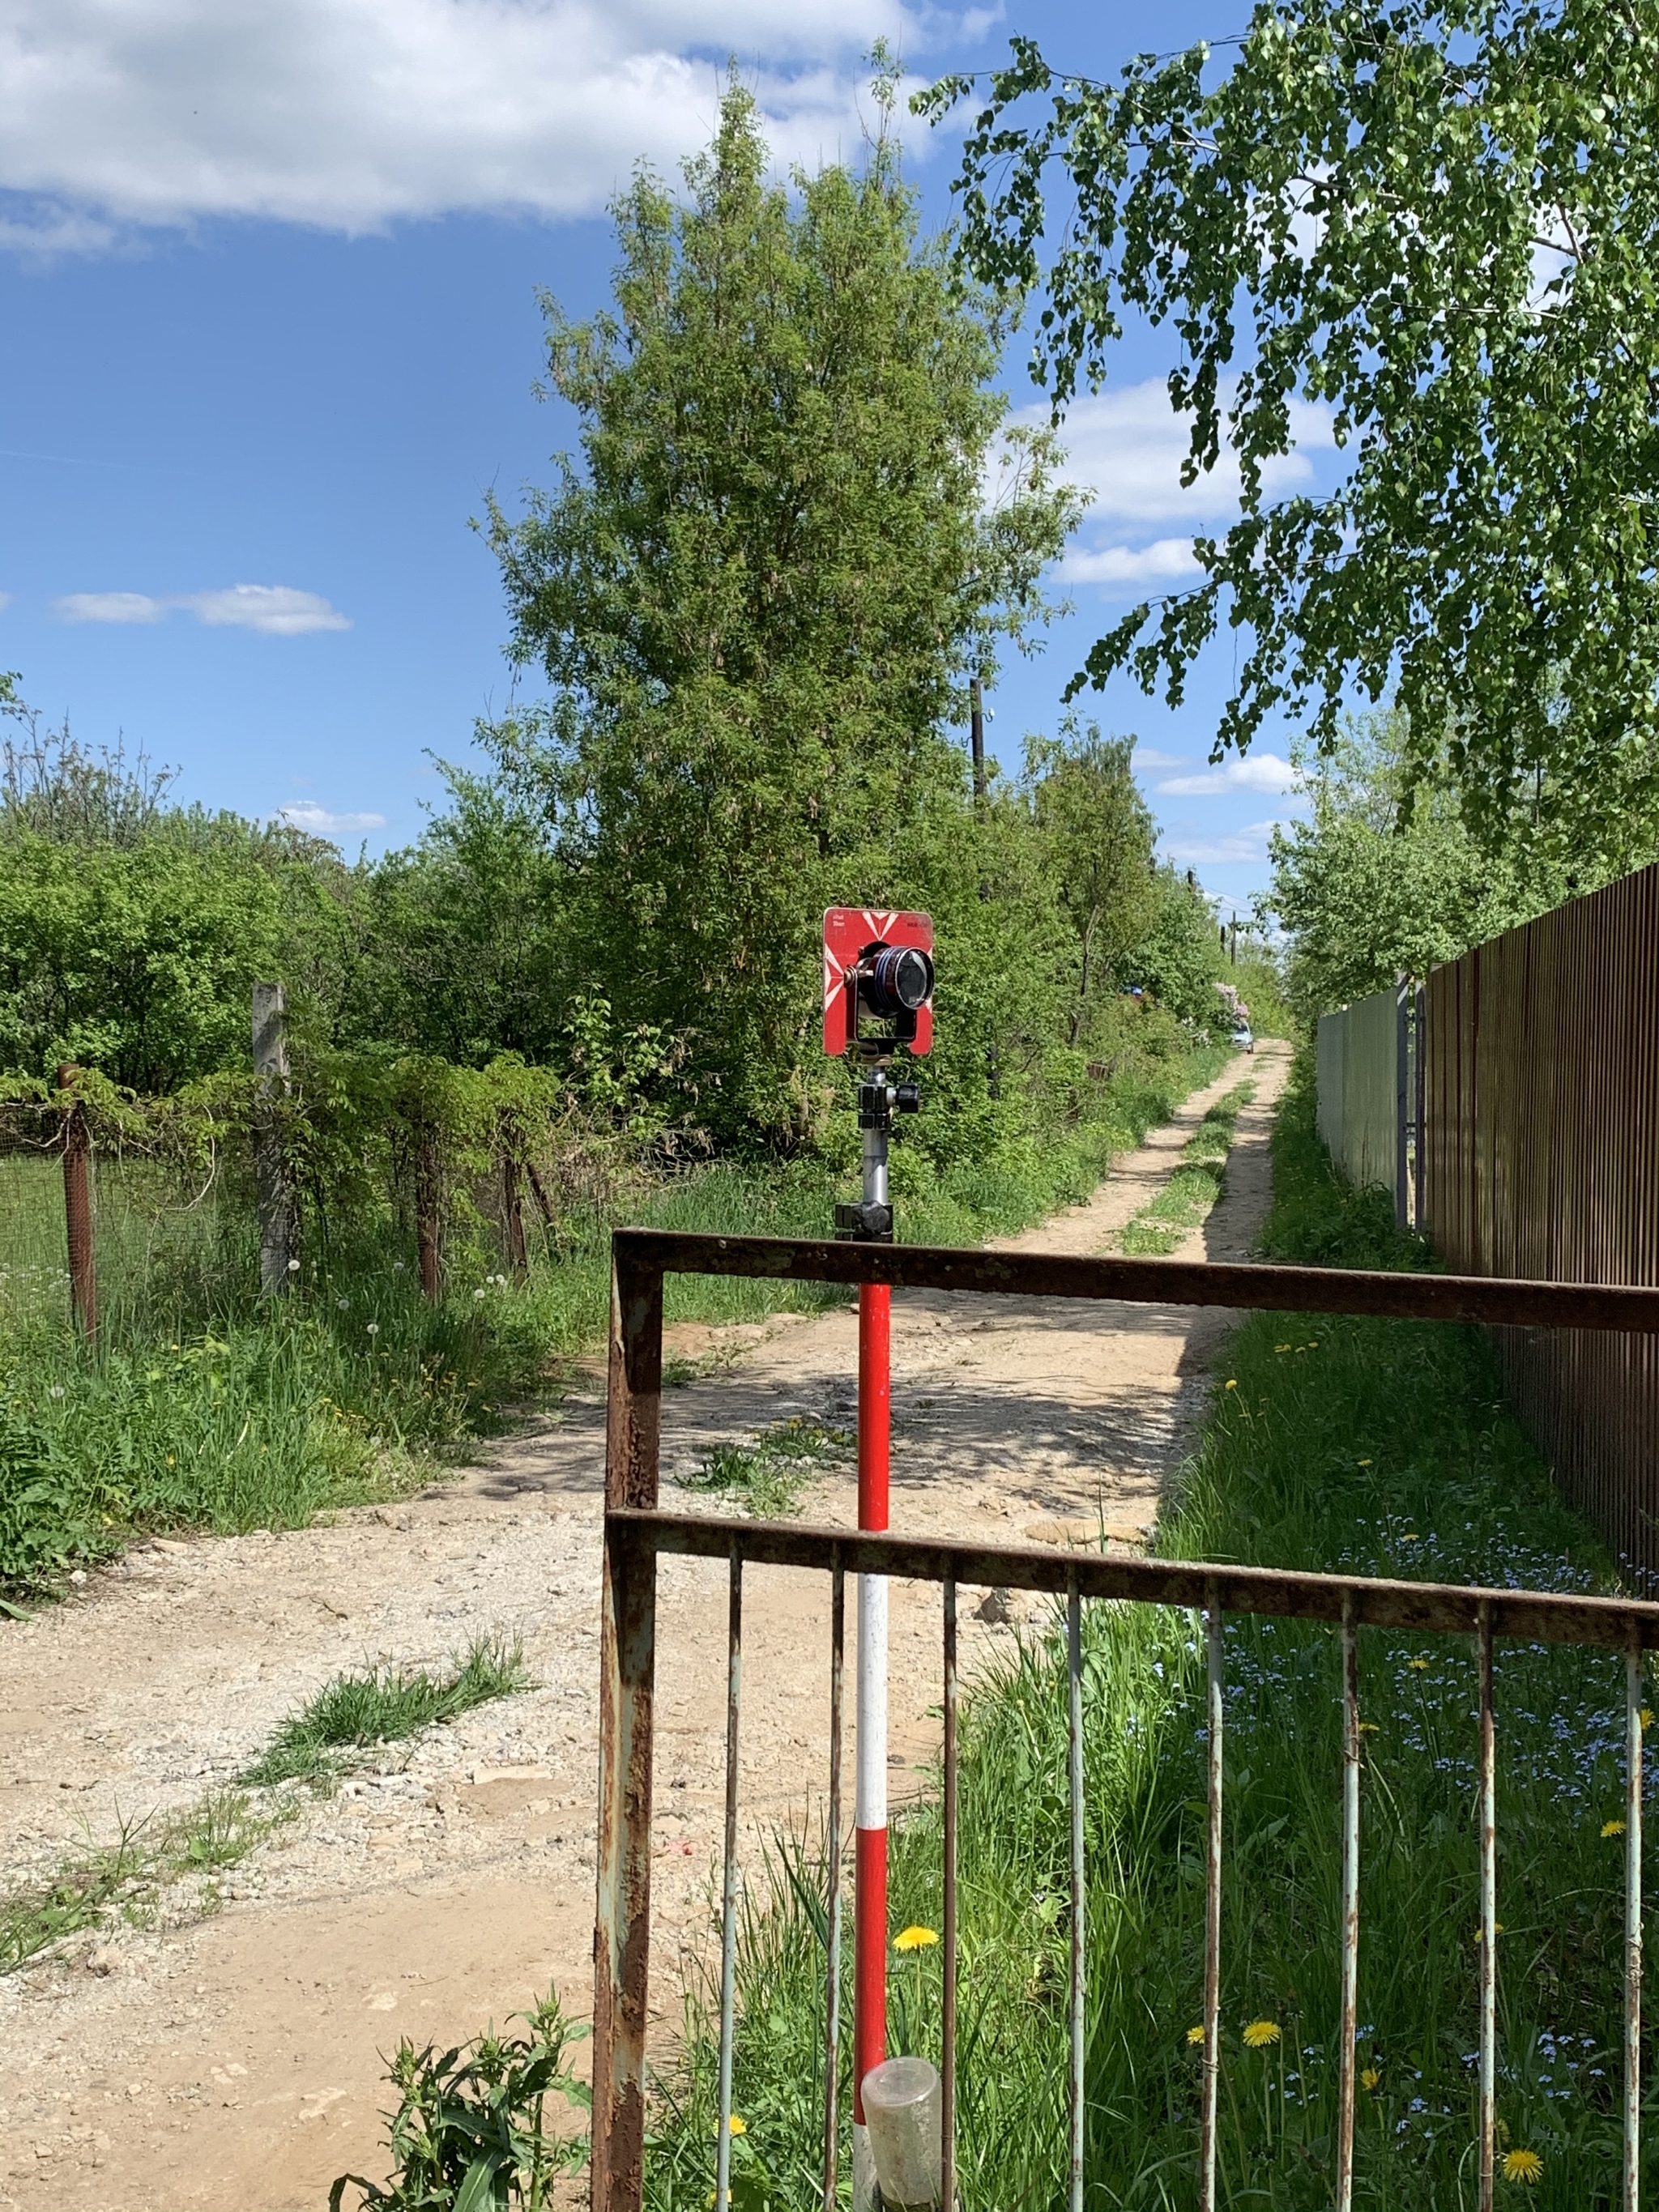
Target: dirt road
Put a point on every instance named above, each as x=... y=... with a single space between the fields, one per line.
x=232 y=2061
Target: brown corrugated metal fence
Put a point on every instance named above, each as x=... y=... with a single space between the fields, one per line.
x=1542 y=1160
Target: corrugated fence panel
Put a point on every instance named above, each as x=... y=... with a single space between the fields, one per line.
x=1542 y=1161
x=1359 y=1086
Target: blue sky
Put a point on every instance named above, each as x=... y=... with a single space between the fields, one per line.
x=270 y=330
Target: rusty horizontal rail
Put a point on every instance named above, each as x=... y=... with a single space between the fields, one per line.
x=1528 y=1616
x=1500 y=1302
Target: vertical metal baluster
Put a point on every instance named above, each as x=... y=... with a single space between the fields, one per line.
x=1075 y=1677
x=1632 y=1919
x=1488 y=1811
x=1348 y=2055
x=832 y=1864
x=1212 y=1905
x=729 y=1902
x=948 y=2029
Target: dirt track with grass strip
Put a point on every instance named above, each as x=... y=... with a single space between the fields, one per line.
x=223 y=2052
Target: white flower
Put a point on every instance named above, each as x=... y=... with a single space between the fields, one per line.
x=478 y=1294
x=294 y=1266
x=397 y=1266
x=56 y=1390
x=374 y=1329
x=344 y=1305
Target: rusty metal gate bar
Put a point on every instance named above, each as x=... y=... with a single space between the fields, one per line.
x=636 y=1533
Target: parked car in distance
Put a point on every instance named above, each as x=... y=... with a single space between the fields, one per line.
x=1243 y=1037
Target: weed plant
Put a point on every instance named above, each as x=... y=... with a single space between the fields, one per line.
x=201 y=1406
x=1364 y=1446
x=473 y=2130
x=357 y=1712
x=769 y=1475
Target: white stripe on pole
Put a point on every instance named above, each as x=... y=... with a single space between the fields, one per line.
x=871 y=1807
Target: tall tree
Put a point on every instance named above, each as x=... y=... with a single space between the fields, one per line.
x=1098 y=837
x=1439 y=221
x=759 y=595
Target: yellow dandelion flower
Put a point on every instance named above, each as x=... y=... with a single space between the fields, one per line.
x=1232 y=1384
x=1194 y=2035
x=1411 y=1536
x=1371 y=2079
x=1282 y=1348
x=1645 y=1715
x=914 y=1939
x=739 y=2127
x=1496 y=1929
x=1369 y=1728
x=1522 y=2165
x=1613 y=1828
x=1260 y=2033
x=1418 y=1666
x=1362 y=1463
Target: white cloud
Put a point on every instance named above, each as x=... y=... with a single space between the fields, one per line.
x=278 y=610
x=1126 y=448
x=5 y=601
x=109 y=607
x=1150 y=757
x=352 y=113
x=1254 y=772
x=1235 y=846
x=317 y=821
x=1166 y=560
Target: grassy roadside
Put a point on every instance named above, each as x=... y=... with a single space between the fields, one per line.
x=199 y=1410
x=1375 y=1446
x=1195 y=1185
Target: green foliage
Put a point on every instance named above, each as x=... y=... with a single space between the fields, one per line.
x=1180 y=960
x=759 y=598
x=357 y=1712
x=1436 y=223
x=1097 y=836
x=1354 y=1446
x=473 y=2131
x=1384 y=878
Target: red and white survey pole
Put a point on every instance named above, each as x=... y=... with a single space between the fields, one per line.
x=878 y=998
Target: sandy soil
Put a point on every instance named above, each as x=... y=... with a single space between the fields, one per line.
x=234 y=2061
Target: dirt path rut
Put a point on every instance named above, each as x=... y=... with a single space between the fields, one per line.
x=232 y=2063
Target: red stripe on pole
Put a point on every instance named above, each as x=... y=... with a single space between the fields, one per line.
x=875 y=1401
x=870 y=1976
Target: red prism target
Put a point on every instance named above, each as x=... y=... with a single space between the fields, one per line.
x=856 y=986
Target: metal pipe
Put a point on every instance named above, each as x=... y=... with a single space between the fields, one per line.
x=729 y=1894
x=1632 y=1926
x=948 y=2025
x=1488 y=1813
x=832 y=1876
x=1215 y=1654
x=1074 y=1717
x=1348 y=2056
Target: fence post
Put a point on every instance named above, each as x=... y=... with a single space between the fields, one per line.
x=77 y=1206
x=1420 y=1040
x=426 y=1211
x=517 y=1255
x=1402 y=1096
x=270 y=1072
x=622 y=1934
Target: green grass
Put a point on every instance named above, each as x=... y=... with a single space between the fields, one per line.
x=356 y=1713
x=1366 y=1446
x=127 y=1879
x=771 y=1474
x=1194 y=1187
x=200 y=1407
